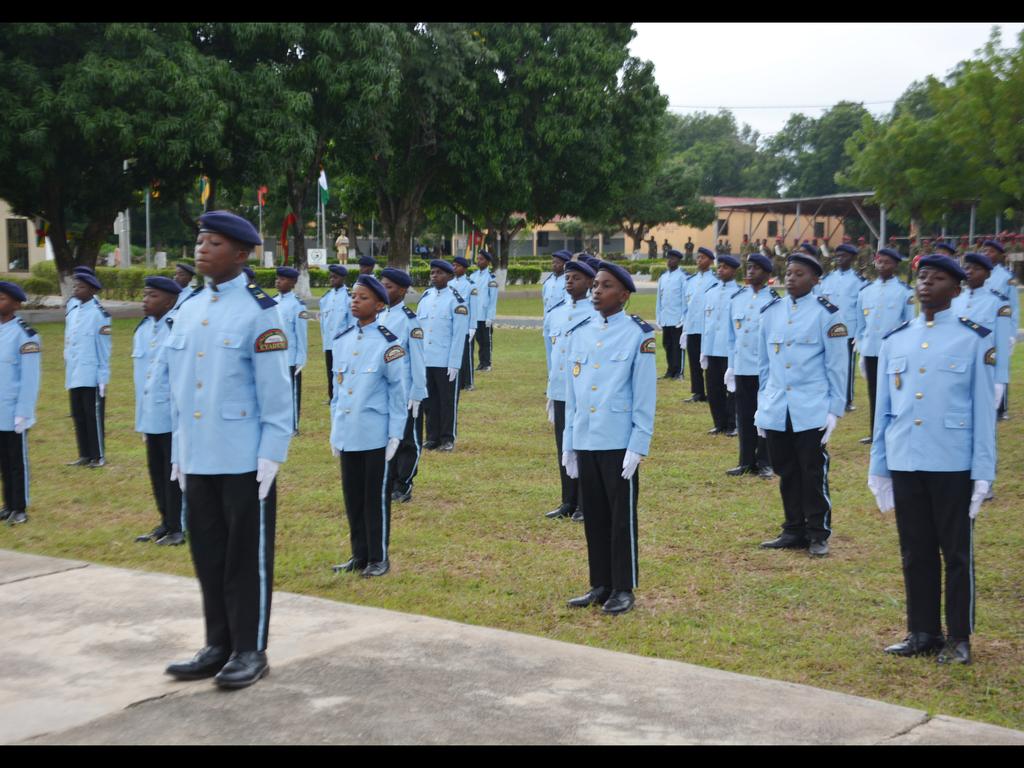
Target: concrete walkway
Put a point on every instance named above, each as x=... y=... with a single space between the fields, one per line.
x=85 y=647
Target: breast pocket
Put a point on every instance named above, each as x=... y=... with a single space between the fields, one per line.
x=620 y=357
x=230 y=340
x=896 y=365
x=952 y=364
x=175 y=341
x=958 y=420
x=235 y=410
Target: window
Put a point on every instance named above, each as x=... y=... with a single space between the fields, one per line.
x=723 y=227
x=542 y=239
x=819 y=229
x=773 y=229
x=17 y=245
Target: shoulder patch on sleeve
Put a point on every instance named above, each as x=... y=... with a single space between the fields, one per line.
x=910 y=299
x=408 y=312
x=393 y=353
x=837 y=331
x=261 y=298
x=416 y=333
x=580 y=324
x=771 y=303
x=990 y=357
x=271 y=340
x=832 y=308
x=899 y=327
x=29 y=347
x=492 y=284
x=474 y=292
x=104 y=330
x=28 y=329
x=648 y=346
x=461 y=309
x=978 y=329
x=1005 y=311
x=303 y=315
x=644 y=325
x=387 y=334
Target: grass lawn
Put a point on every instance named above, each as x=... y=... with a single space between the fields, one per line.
x=473 y=544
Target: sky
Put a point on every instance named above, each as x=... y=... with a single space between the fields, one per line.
x=794 y=67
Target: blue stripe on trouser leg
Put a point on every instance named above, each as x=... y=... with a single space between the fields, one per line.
x=261 y=630
x=632 y=530
x=455 y=412
x=824 y=490
x=384 y=514
x=24 y=459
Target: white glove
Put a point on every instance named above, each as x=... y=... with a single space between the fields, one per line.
x=389 y=452
x=452 y=373
x=298 y=369
x=730 y=380
x=1013 y=341
x=266 y=471
x=629 y=464
x=1000 y=388
x=881 y=487
x=488 y=323
x=103 y=390
x=830 y=424
x=977 y=496
x=21 y=424
x=143 y=438
x=682 y=341
x=414 y=406
x=335 y=452
x=703 y=362
x=760 y=430
x=854 y=345
x=551 y=411
x=569 y=462
x=863 y=368
x=177 y=474
x=472 y=333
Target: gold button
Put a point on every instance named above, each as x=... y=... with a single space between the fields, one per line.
x=199 y=385
x=789 y=322
x=600 y=344
x=227 y=341
x=348 y=410
x=962 y=423
x=924 y=345
x=206 y=322
x=213 y=298
x=197 y=414
x=593 y=388
x=199 y=354
x=355 y=353
x=592 y=409
x=789 y=389
x=917 y=422
x=597 y=365
x=152 y=344
x=243 y=413
x=930 y=323
x=350 y=391
x=787 y=365
x=952 y=365
x=918 y=395
x=920 y=370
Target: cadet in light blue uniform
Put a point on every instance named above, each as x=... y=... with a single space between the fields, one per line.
x=485 y=309
x=444 y=317
x=842 y=286
x=368 y=418
x=296 y=328
x=333 y=313
x=991 y=310
x=153 y=405
x=1002 y=280
x=562 y=318
x=463 y=288
x=802 y=395
x=609 y=420
x=183 y=275
x=402 y=322
x=669 y=309
x=87 y=369
x=552 y=291
x=933 y=456
x=19 y=390
x=881 y=306
x=714 y=345
x=697 y=285
x=232 y=424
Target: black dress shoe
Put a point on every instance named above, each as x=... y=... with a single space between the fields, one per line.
x=916 y=644
x=732 y=432
x=17 y=518
x=172 y=539
x=430 y=445
x=243 y=669
x=956 y=651
x=865 y=441
x=564 y=510
x=376 y=569
x=742 y=469
x=206 y=663
x=596 y=596
x=695 y=399
x=81 y=461
x=349 y=565
x=765 y=472
x=818 y=548
x=157 y=533
x=785 y=541
x=97 y=463
x=447 y=446
x=1004 y=417
x=4 y=514
x=715 y=431
x=577 y=516
x=619 y=602
x=850 y=408
x=401 y=496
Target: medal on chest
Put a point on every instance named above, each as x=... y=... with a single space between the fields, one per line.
x=576 y=369
x=897 y=381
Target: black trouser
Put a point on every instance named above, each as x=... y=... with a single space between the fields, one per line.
x=871 y=364
x=366 y=488
x=801 y=462
x=931 y=517
x=720 y=400
x=851 y=374
x=231 y=533
x=329 y=357
x=466 y=371
x=696 y=372
x=484 y=339
x=610 y=520
x=296 y=379
x=88 y=411
x=753 y=449
x=14 y=470
x=167 y=492
x=570 y=487
x=670 y=336
x=441 y=405
x=406 y=461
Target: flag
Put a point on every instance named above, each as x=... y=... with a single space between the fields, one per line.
x=288 y=221
x=261 y=195
x=324 y=194
x=204 y=190
x=42 y=230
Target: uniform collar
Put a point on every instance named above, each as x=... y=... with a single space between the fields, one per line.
x=807 y=297
x=945 y=317
x=237 y=282
x=616 y=319
x=729 y=283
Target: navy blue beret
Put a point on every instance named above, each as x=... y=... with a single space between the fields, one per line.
x=994 y=244
x=367 y=261
x=338 y=269
x=13 y=290
x=810 y=250
x=706 y=251
x=892 y=253
x=729 y=259
x=563 y=254
x=288 y=272
x=461 y=261
x=980 y=259
x=846 y=248
x=442 y=264
x=396 y=276
x=249 y=273
x=805 y=258
x=164 y=284
x=943 y=262
x=187 y=267
x=761 y=260
x=88 y=279
x=583 y=267
x=486 y=255
x=374 y=285
x=674 y=252
x=619 y=273
x=87 y=270
x=230 y=225
x=942 y=245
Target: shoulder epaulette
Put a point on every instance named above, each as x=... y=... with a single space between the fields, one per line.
x=28 y=329
x=644 y=325
x=555 y=306
x=458 y=296
x=141 y=322
x=691 y=276
x=905 y=285
x=580 y=324
x=339 y=334
x=828 y=304
x=105 y=313
x=771 y=303
x=899 y=327
x=1002 y=297
x=386 y=333
x=774 y=293
x=552 y=274
x=741 y=290
x=408 y=312
x=866 y=284
x=192 y=295
x=981 y=330
x=713 y=285
x=258 y=294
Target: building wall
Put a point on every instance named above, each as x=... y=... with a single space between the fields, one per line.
x=9 y=220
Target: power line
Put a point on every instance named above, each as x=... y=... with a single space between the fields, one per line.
x=795 y=106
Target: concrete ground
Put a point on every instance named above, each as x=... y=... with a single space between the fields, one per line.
x=85 y=647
